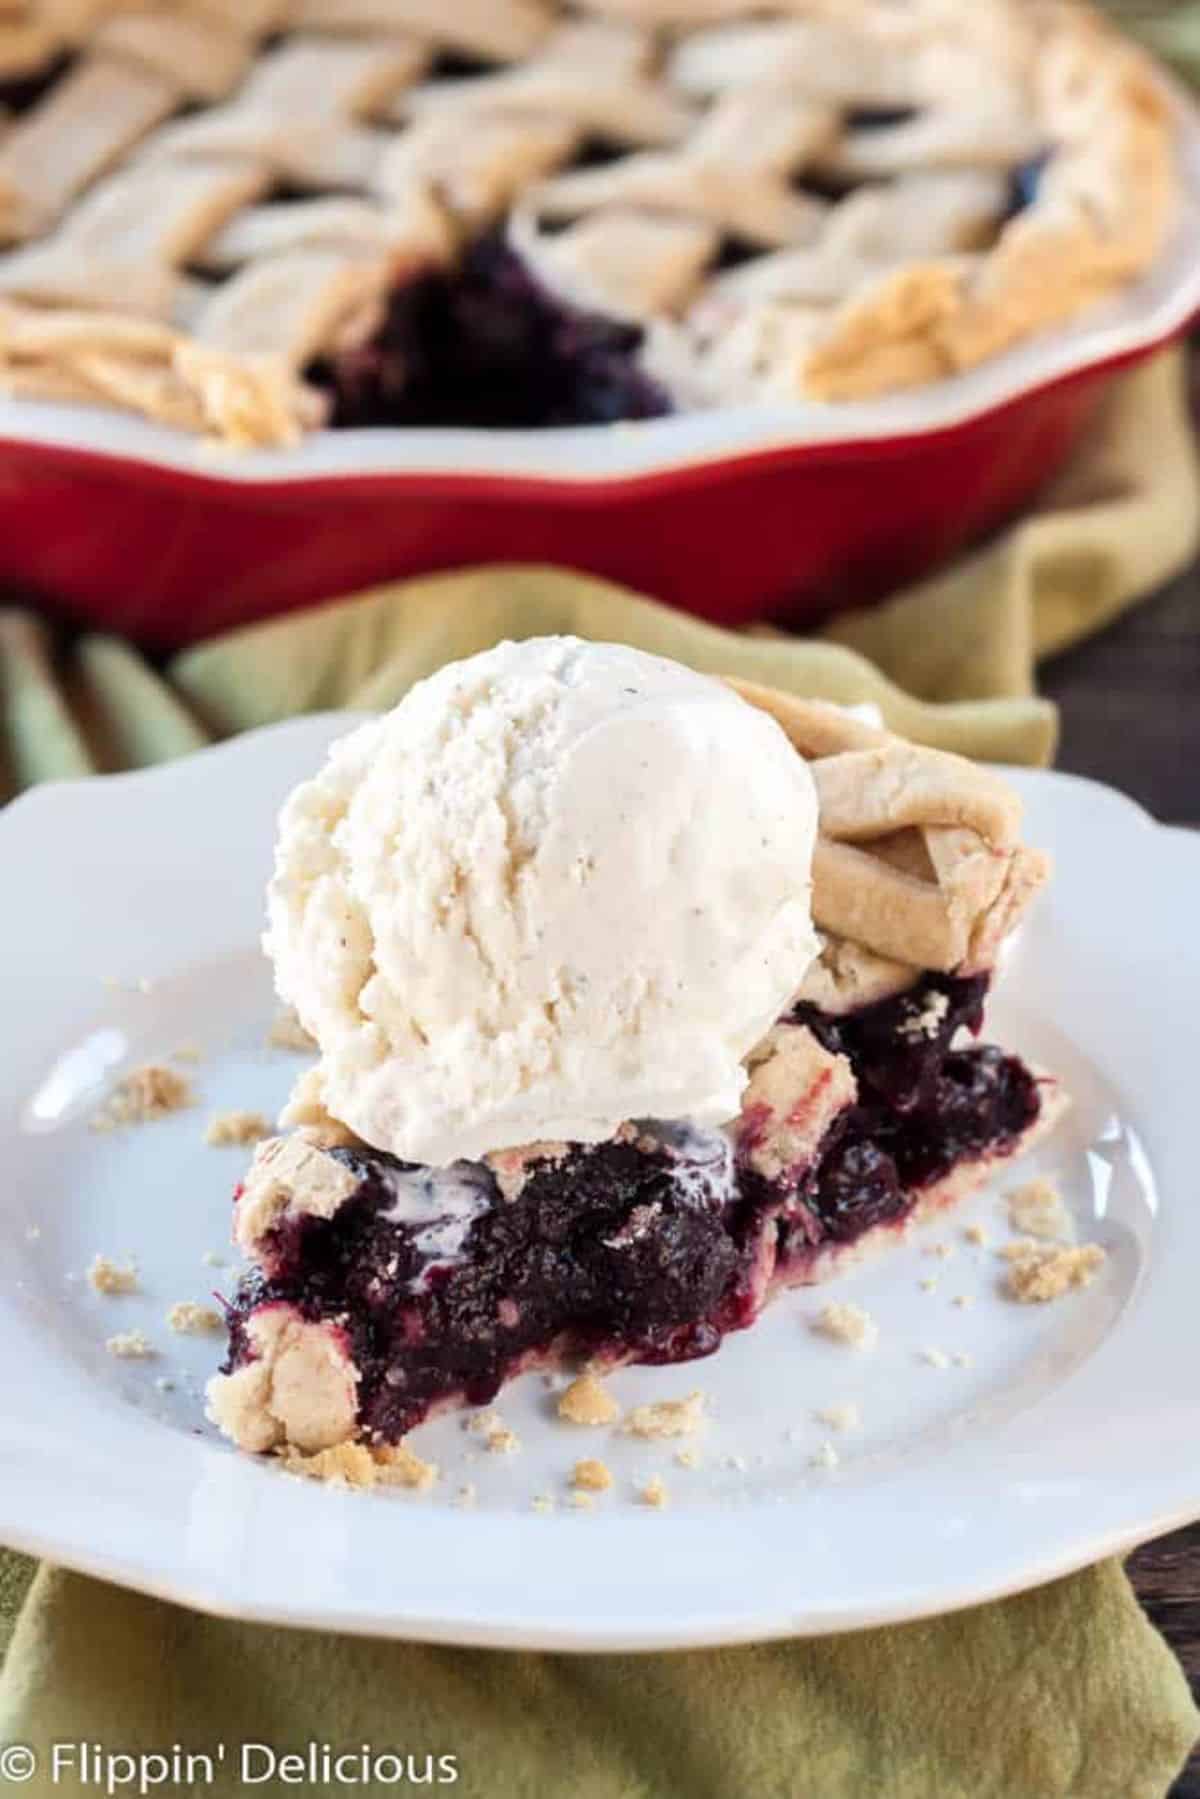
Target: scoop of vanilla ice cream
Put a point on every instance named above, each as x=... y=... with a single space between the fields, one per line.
x=560 y=886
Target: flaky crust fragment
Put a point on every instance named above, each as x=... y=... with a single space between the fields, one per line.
x=287 y=1175
x=918 y=862
x=795 y=1091
x=301 y=1388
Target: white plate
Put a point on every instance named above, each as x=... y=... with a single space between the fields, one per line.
x=1071 y=1435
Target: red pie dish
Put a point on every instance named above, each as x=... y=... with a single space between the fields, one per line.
x=610 y=356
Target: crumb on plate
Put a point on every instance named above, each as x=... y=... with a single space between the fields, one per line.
x=130 y=1346
x=144 y=1095
x=849 y=1324
x=236 y=1127
x=496 y=1435
x=653 y=1493
x=666 y=1418
x=345 y=1465
x=591 y=1476
x=1048 y=1271
x=1020 y=1249
x=188 y=1319
x=1038 y=1210
x=587 y=1401
x=400 y=1467
x=110 y=1278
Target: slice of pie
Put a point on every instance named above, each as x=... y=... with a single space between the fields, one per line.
x=381 y=1292
x=254 y=220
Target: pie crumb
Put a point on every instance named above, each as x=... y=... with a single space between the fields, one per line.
x=848 y=1324
x=345 y=1465
x=935 y=1358
x=288 y=1033
x=226 y=1128
x=144 y=1095
x=542 y=1502
x=591 y=1476
x=839 y=1417
x=583 y=1502
x=110 y=1279
x=687 y=1458
x=666 y=1418
x=587 y=1401
x=130 y=1346
x=1020 y=1250
x=191 y=1320
x=1038 y=1210
x=825 y=1457
x=188 y=1052
x=399 y=1467
x=211 y=1259
x=975 y=1233
x=1048 y=1271
x=654 y=1493
x=495 y=1433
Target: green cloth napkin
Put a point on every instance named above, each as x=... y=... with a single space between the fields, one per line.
x=1063 y=1691
x=1171 y=28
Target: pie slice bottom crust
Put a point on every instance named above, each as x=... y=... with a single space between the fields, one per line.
x=381 y=1293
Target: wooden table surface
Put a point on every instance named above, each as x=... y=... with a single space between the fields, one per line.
x=1130 y=702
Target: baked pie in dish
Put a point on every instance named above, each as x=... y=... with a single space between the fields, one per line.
x=254 y=220
x=382 y=1290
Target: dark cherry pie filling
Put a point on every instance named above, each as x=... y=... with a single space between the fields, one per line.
x=649 y=1248
x=485 y=344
